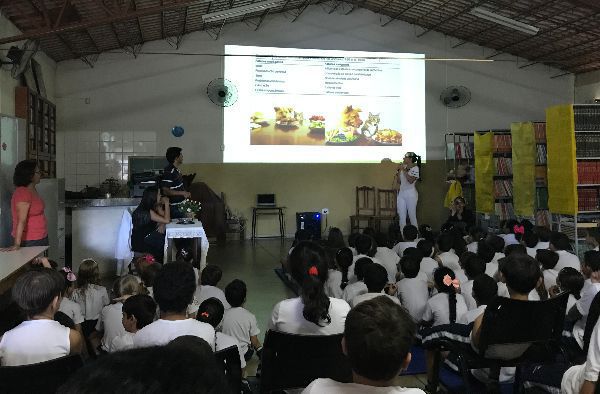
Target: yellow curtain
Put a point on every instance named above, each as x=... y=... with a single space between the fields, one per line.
x=562 y=166
x=523 y=163
x=454 y=190
x=484 y=172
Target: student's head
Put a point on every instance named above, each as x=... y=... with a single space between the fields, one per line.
x=88 y=273
x=149 y=198
x=476 y=233
x=530 y=239
x=426 y=247
x=26 y=172
x=445 y=281
x=148 y=275
x=559 y=241
x=496 y=243
x=370 y=231
x=591 y=262
x=302 y=235
x=459 y=245
x=516 y=228
x=70 y=281
x=571 y=280
x=173 y=154
x=514 y=248
x=375 y=278
x=427 y=233
x=382 y=240
x=124 y=286
x=38 y=291
x=473 y=266
x=378 y=336
x=352 y=239
x=308 y=266
x=485 y=289
x=343 y=259
x=414 y=252
x=521 y=273
x=235 y=293
x=211 y=311
x=463 y=257
x=410 y=233
x=410 y=266
x=364 y=245
x=335 y=238
x=360 y=266
x=485 y=251
x=174 y=287
x=138 y=311
x=547 y=258
x=211 y=275
x=593 y=237
x=543 y=233
x=445 y=241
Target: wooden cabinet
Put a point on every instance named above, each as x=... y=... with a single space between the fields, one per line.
x=40 y=116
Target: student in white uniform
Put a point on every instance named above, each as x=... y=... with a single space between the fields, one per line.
x=207 y=287
x=560 y=243
x=149 y=275
x=358 y=287
x=366 y=247
x=173 y=291
x=312 y=313
x=531 y=240
x=491 y=252
x=583 y=379
x=90 y=296
x=428 y=263
x=413 y=292
x=337 y=279
x=476 y=234
x=446 y=306
x=239 y=322
x=446 y=254
x=406 y=178
x=579 y=313
x=484 y=290
x=514 y=232
x=138 y=311
x=39 y=338
x=409 y=239
x=67 y=306
x=474 y=266
x=377 y=352
x=110 y=323
x=570 y=280
x=376 y=281
x=543 y=234
x=548 y=260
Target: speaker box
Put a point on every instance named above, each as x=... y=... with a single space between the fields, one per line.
x=309 y=221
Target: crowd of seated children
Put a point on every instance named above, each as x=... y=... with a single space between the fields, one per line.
x=358 y=287
x=239 y=322
x=376 y=281
x=410 y=236
x=366 y=247
x=337 y=279
x=138 y=311
x=313 y=312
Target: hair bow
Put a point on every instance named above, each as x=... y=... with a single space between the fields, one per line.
x=313 y=271
x=70 y=275
x=518 y=229
x=204 y=314
x=448 y=281
x=149 y=258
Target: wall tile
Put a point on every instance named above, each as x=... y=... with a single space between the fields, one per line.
x=127 y=146
x=88 y=136
x=144 y=136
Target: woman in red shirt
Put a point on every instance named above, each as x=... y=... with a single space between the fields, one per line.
x=28 y=219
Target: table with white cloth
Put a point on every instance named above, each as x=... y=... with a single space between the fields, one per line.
x=194 y=231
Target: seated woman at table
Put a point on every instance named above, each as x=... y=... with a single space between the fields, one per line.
x=149 y=220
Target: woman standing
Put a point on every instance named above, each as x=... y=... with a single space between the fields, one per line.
x=406 y=176
x=149 y=220
x=27 y=208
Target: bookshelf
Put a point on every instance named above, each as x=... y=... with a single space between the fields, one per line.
x=503 y=174
x=542 y=214
x=460 y=163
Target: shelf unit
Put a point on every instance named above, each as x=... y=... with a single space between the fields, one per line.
x=503 y=175
x=40 y=117
x=542 y=214
x=460 y=163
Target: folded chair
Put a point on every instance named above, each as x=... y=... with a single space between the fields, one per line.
x=229 y=359
x=513 y=332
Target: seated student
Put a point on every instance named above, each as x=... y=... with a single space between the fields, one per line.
x=496 y=244
x=476 y=234
x=139 y=264
x=376 y=280
x=428 y=263
x=531 y=240
x=514 y=248
x=334 y=275
x=418 y=255
x=211 y=311
x=513 y=232
x=148 y=223
x=387 y=256
x=185 y=365
x=377 y=352
x=338 y=280
x=583 y=379
x=446 y=254
x=460 y=273
x=571 y=280
x=426 y=232
x=110 y=323
x=149 y=275
x=138 y=311
x=352 y=242
x=543 y=234
x=591 y=271
x=412 y=290
x=335 y=239
x=207 y=287
x=560 y=243
x=39 y=338
x=446 y=306
x=410 y=235
x=366 y=247
x=90 y=296
x=358 y=287
x=239 y=322
x=474 y=266
x=320 y=315
x=484 y=290
x=592 y=238
x=70 y=308
x=548 y=260
x=173 y=291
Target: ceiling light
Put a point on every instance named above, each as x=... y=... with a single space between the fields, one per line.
x=504 y=21
x=240 y=11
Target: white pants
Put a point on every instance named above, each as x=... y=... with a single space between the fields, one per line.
x=407 y=202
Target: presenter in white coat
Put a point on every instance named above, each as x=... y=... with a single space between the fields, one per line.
x=406 y=178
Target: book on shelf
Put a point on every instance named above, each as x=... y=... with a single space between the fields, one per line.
x=587 y=199
x=503 y=165
x=504 y=210
x=587 y=145
x=588 y=172
x=502 y=143
x=463 y=150
x=503 y=188
x=541 y=155
x=541 y=198
x=543 y=218
x=541 y=175
x=539 y=130
x=587 y=117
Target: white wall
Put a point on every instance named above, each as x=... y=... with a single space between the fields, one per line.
x=587 y=87
x=156 y=92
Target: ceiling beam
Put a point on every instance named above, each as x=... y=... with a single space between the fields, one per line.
x=449 y=18
x=39 y=33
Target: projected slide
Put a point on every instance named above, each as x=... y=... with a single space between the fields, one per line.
x=302 y=105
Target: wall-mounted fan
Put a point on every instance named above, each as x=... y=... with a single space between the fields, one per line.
x=19 y=58
x=222 y=92
x=455 y=96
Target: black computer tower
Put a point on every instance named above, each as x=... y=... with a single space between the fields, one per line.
x=309 y=221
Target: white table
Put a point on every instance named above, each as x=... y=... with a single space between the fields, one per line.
x=195 y=231
x=11 y=263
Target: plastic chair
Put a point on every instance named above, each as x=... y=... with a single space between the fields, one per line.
x=293 y=361
x=512 y=332
x=44 y=377
x=366 y=208
x=229 y=359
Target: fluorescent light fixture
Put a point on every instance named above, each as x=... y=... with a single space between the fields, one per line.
x=240 y=11
x=483 y=13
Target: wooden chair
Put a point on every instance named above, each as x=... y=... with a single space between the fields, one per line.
x=229 y=359
x=386 y=207
x=294 y=361
x=366 y=208
x=45 y=377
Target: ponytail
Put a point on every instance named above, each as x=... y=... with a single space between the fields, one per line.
x=452 y=305
x=446 y=282
x=344 y=257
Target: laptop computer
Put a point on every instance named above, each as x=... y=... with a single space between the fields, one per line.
x=265 y=200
